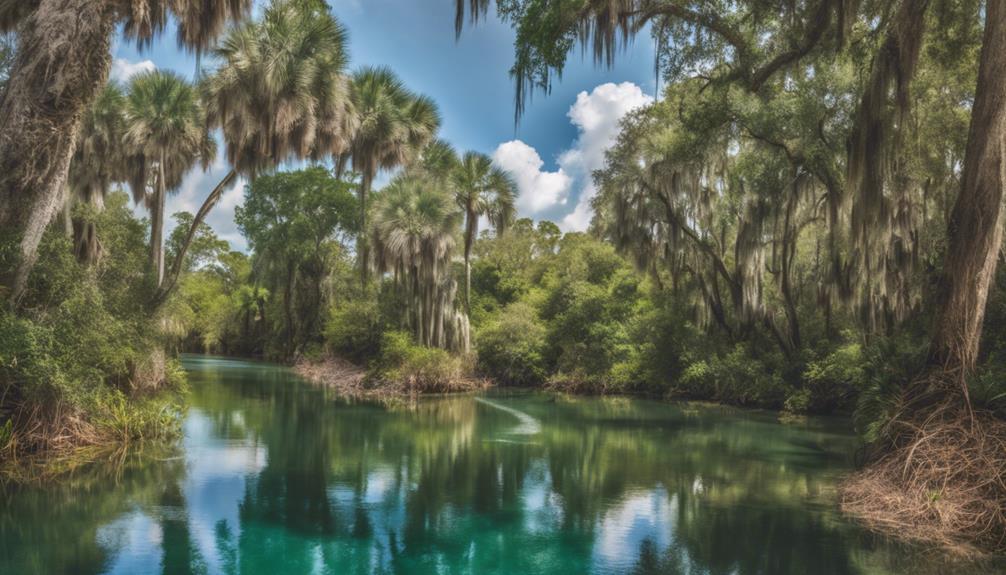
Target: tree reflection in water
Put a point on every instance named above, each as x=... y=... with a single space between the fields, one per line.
x=278 y=477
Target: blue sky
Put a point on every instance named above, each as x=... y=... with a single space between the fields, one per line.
x=559 y=141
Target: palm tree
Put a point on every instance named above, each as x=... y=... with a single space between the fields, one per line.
x=393 y=126
x=165 y=136
x=481 y=189
x=413 y=230
x=62 y=62
x=438 y=160
x=280 y=92
x=97 y=162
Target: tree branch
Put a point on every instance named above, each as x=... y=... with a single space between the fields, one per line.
x=176 y=267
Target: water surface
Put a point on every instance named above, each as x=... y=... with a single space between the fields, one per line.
x=275 y=476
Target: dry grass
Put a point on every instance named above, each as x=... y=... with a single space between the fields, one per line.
x=335 y=373
x=352 y=380
x=39 y=428
x=47 y=442
x=941 y=481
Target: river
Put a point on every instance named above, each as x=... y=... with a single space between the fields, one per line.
x=275 y=476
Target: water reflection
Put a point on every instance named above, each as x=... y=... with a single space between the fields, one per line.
x=276 y=477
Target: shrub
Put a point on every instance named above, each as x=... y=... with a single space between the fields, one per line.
x=511 y=346
x=354 y=330
x=417 y=369
x=987 y=388
x=832 y=382
x=737 y=377
x=82 y=356
x=890 y=364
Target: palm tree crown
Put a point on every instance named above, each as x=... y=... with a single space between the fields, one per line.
x=413 y=230
x=165 y=136
x=280 y=91
x=393 y=126
x=98 y=161
x=481 y=189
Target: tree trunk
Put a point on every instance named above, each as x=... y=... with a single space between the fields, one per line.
x=68 y=213
x=62 y=60
x=791 y=235
x=976 y=225
x=362 y=250
x=157 y=223
x=176 y=266
x=471 y=228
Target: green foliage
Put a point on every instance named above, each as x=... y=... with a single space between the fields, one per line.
x=145 y=418
x=987 y=389
x=736 y=377
x=354 y=330
x=206 y=247
x=511 y=347
x=296 y=222
x=588 y=297
x=83 y=340
x=419 y=369
x=832 y=382
x=82 y=328
x=891 y=364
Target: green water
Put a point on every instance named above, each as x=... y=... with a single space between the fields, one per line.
x=274 y=476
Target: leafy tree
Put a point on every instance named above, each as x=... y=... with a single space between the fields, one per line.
x=204 y=250
x=293 y=221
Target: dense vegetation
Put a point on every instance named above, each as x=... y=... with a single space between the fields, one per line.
x=809 y=219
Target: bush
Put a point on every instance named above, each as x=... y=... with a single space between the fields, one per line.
x=890 y=364
x=987 y=388
x=81 y=356
x=417 y=369
x=511 y=347
x=833 y=382
x=736 y=377
x=354 y=330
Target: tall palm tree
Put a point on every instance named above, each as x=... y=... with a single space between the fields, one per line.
x=481 y=189
x=279 y=92
x=62 y=62
x=412 y=232
x=394 y=125
x=98 y=161
x=165 y=136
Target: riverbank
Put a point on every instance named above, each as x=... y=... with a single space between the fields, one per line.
x=942 y=484
x=41 y=443
x=408 y=379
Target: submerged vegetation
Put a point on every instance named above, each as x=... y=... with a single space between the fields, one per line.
x=809 y=219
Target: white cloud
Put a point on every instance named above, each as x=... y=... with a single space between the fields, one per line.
x=123 y=70
x=538 y=190
x=596 y=116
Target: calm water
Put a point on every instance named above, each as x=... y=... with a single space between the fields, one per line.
x=274 y=476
